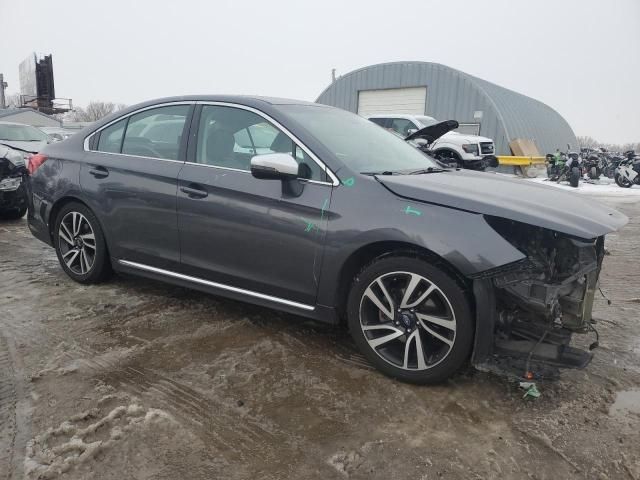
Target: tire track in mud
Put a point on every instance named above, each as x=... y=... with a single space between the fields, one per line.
x=8 y=405
x=13 y=418
x=236 y=436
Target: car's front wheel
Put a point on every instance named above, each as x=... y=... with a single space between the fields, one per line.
x=410 y=319
x=80 y=244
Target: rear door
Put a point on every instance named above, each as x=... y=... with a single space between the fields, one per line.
x=242 y=232
x=130 y=180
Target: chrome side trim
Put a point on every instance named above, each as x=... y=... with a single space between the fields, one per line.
x=305 y=180
x=221 y=286
x=135 y=156
x=334 y=180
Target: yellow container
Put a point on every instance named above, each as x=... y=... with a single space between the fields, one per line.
x=520 y=161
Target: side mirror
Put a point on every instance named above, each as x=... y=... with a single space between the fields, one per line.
x=274 y=166
x=411 y=131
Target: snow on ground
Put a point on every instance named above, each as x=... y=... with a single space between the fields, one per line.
x=603 y=187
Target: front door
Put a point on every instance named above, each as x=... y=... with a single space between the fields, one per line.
x=241 y=231
x=130 y=180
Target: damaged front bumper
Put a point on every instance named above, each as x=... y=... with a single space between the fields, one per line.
x=12 y=194
x=527 y=312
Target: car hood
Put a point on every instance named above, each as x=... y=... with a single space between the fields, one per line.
x=514 y=199
x=463 y=137
x=433 y=132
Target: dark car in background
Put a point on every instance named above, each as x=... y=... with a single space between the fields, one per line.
x=316 y=211
x=17 y=143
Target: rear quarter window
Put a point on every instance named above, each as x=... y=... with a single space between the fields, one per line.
x=110 y=139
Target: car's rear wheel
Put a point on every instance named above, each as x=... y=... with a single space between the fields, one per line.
x=410 y=319
x=80 y=244
x=449 y=157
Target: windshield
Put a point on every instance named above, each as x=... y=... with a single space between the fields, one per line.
x=426 y=121
x=21 y=133
x=362 y=145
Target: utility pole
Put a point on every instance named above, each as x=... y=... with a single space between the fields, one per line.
x=3 y=85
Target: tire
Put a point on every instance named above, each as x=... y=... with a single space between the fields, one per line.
x=593 y=173
x=84 y=259
x=449 y=156
x=574 y=178
x=435 y=297
x=622 y=182
x=15 y=214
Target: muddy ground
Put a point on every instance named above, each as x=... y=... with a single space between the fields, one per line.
x=136 y=379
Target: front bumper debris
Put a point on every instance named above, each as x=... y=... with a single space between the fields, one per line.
x=528 y=312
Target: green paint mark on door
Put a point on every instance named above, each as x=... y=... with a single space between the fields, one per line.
x=310 y=225
x=349 y=182
x=412 y=211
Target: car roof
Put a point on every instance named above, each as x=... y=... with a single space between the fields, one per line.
x=241 y=99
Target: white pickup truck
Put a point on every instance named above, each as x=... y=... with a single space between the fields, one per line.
x=469 y=151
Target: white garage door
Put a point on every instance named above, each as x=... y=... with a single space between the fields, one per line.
x=410 y=101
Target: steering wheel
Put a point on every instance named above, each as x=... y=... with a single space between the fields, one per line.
x=140 y=146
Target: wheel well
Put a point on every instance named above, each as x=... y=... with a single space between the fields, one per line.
x=59 y=205
x=367 y=254
x=453 y=153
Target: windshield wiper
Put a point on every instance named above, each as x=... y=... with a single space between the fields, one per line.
x=384 y=172
x=428 y=170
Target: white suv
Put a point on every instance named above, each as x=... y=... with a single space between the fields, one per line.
x=469 y=151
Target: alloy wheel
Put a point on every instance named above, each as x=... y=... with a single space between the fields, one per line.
x=77 y=243
x=407 y=320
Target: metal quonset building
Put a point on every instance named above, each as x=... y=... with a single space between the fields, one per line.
x=445 y=93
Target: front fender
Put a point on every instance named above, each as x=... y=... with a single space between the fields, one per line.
x=372 y=214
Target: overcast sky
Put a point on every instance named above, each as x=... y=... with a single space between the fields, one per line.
x=581 y=57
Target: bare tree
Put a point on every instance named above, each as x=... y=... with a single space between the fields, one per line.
x=94 y=111
x=589 y=142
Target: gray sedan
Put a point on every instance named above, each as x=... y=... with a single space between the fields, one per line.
x=316 y=211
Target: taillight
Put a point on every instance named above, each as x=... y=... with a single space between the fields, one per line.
x=35 y=161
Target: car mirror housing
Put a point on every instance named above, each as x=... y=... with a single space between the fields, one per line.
x=274 y=166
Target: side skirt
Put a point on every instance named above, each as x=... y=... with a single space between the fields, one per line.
x=316 y=312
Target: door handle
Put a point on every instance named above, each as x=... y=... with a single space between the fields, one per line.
x=194 y=192
x=99 y=172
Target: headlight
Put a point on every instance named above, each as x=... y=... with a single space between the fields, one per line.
x=15 y=157
x=10 y=184
x=471 y=148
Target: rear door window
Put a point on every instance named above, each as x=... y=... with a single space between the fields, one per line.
x=156 y=133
